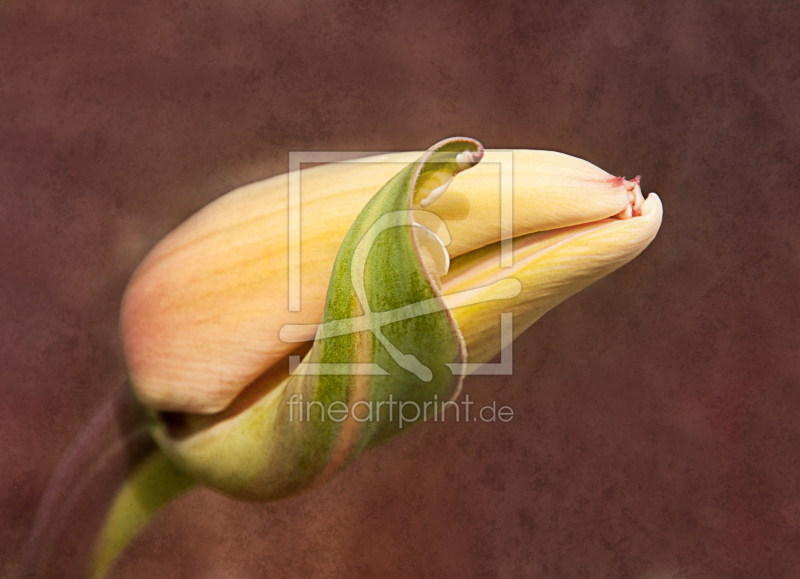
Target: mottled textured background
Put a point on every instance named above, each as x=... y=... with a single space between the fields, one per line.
x=658 y=412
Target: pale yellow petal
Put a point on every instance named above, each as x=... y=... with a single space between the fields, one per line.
x=550 y=266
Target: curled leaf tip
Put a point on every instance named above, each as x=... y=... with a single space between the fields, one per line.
x=439 y=166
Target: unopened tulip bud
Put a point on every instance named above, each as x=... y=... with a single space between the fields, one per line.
x=207 y=332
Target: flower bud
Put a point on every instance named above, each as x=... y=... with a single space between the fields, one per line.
x=207 y=332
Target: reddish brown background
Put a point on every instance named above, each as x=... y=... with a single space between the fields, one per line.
x=658 y=412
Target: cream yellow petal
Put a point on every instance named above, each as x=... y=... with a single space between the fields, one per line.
x=547 y=190
x=201 y=315
x=550 y=267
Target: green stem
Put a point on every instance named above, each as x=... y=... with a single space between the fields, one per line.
x=151 y=486
x=112 y=479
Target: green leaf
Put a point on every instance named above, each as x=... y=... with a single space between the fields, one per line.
x=384 y=314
